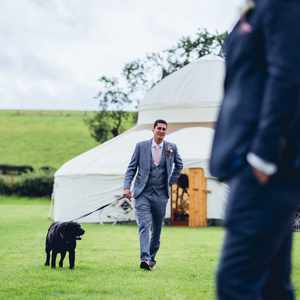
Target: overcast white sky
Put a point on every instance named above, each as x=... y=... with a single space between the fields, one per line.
x=53 y=51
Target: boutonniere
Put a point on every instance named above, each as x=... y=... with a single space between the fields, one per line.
x=245 y=27
x=169 y=151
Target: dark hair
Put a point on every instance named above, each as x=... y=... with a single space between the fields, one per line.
x=159 y=121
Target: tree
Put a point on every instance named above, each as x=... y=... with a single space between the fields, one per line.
x=142 y=74
x=112 y=119
x=118 y=95
x=105 y=125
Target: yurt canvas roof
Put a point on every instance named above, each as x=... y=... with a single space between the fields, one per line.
x=191 y=94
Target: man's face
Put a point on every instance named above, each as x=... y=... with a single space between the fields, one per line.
x=159 y=131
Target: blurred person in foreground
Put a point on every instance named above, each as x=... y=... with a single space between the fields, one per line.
x=156 y=165
x=256 y=150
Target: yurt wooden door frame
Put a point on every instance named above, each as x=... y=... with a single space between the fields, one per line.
x=189 y=199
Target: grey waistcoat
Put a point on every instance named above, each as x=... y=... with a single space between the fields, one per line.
x=157 y=180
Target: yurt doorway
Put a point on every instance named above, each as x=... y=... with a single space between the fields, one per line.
x=188 y=199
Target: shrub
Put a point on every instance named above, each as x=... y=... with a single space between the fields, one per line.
x=15 y=170
x=47 y=169
x=5 y=187
x=38 y=184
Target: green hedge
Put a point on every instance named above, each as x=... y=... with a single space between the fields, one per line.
x=38 y=184
x=5 y=187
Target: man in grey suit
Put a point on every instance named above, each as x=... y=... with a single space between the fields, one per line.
x=156 y=165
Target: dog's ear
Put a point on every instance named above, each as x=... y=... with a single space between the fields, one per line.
x=71 y=229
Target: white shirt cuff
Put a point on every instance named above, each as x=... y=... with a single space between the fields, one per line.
x=261 y=165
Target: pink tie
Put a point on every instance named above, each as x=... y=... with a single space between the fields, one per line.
x=156 y=157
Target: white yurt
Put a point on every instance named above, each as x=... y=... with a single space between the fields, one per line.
x=188 y=100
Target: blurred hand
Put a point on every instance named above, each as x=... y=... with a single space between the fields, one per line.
x=127 y=194
x=261 y=177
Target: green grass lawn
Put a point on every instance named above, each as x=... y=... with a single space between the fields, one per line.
x=42 y=138
x=106 y=261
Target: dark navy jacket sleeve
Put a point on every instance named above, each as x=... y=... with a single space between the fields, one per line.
x=281 y=28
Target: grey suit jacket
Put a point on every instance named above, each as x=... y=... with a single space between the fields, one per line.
x=141 y=162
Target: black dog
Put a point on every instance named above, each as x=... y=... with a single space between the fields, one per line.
x=61 y=237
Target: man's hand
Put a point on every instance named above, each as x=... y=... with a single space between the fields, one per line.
x=127 y=194
x=261 y=177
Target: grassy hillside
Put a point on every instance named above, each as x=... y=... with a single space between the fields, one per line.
x=42 y=138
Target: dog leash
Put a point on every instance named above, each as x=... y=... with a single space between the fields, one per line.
x=99 y=208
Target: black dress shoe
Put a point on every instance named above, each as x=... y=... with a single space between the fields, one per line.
x=145 y=265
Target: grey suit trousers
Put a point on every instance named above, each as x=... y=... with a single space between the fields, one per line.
x=150 y=209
